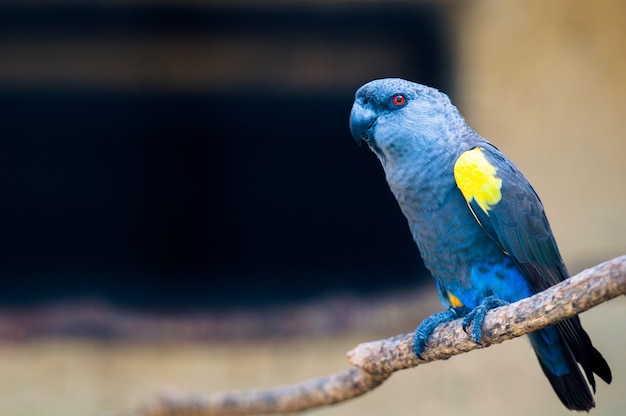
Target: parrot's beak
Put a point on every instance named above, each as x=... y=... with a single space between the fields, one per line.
x=361 y=120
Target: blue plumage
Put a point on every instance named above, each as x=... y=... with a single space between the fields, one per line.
x=501 y=279
x=479 y=225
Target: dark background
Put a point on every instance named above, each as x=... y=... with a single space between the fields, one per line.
x=208 y=189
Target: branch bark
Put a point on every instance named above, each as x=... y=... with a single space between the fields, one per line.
x=374 y=362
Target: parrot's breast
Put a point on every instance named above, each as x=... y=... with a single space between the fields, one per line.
x=466 y=263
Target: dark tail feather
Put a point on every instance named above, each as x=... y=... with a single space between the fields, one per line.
x=584 y=352
x=571 y=388
x=571 y=344
x=599 y=366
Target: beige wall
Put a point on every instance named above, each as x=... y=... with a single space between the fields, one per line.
x=546 y=82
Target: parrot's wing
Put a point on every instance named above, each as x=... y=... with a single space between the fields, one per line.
x=508 y=209
x=510 y=212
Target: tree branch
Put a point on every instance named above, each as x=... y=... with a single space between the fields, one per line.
x=374 y=362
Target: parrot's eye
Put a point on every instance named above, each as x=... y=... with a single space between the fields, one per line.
x=398 y=100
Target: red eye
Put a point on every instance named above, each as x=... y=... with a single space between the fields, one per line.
x=398 y=99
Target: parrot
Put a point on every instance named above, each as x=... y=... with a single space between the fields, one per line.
x=479 y=225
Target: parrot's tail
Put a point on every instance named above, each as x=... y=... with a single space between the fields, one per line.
x=558 y=349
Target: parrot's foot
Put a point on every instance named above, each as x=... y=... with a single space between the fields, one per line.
x=429 y=324
x=477 y=316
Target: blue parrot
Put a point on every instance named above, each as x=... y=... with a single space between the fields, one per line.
x=479 y=225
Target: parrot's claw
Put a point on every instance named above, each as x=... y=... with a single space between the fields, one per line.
x=428 y=325
x=477 y=316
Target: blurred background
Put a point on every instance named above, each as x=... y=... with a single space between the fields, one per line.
x=185 y=209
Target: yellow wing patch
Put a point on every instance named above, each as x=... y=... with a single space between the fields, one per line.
x=477 y=180
x=454 y=301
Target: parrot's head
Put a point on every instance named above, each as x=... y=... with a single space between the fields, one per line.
x=395 y=117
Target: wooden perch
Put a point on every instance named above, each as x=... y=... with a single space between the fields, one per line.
x=373 y=362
